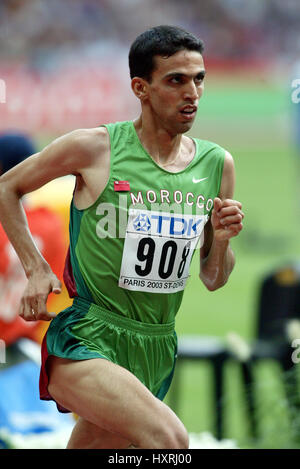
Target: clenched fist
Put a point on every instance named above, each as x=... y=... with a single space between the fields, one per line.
x=226 y=218
x=33 y=305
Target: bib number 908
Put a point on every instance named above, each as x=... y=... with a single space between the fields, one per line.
x=146 y=252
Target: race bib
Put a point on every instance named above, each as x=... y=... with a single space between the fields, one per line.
x=158 y=249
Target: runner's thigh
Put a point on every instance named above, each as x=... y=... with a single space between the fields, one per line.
x=112 y=398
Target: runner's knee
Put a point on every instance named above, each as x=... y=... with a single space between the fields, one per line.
x=166 y=436
x=175 y=439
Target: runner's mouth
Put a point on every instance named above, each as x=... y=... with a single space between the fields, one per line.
x=188 y=112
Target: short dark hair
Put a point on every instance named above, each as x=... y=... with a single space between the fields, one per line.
x=160 y=40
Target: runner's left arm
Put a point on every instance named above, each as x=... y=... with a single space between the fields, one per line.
x=216 y=256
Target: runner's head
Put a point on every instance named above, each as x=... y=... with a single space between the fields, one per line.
x=14 y=148
x=162 y=41
x=167 y=71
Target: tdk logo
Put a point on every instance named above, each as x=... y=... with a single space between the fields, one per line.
x=163 y=224
x=142 y=223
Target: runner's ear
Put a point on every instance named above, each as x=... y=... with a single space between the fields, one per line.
x=139 y=87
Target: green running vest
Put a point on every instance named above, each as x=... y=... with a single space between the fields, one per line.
x=130 y=251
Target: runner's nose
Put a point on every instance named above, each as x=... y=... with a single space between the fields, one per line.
x=191 y=92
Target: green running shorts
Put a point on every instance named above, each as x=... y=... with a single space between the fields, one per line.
x=85 y=330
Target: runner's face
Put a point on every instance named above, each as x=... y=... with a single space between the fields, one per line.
x=175 y=89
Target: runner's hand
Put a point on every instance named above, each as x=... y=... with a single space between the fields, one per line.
x=226 y=218
x=33 y=306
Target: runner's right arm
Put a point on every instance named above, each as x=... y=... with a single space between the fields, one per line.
x=69 y=154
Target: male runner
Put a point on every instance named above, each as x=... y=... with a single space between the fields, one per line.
x=143 y=194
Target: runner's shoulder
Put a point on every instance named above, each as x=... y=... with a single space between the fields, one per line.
x=89 y=140
x=81 y=147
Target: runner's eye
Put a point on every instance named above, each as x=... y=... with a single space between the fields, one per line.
x=199 y=78
x=176 y=79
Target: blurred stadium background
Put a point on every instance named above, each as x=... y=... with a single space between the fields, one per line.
x=64 y=66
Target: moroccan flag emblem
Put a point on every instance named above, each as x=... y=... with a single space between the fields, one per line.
x=120 y=186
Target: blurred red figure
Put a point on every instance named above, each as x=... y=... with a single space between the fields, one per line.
x=47 y=231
